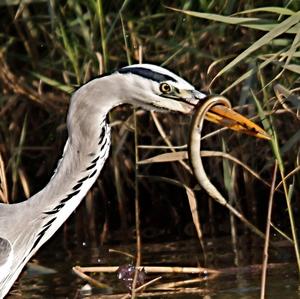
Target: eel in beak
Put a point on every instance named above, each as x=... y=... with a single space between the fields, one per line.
x=222 y=114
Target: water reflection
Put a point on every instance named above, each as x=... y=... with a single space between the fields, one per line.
x=56 y=280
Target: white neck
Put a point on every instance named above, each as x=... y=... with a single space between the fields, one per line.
x=84 y=155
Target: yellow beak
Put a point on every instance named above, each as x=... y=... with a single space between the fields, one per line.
x=227 y=117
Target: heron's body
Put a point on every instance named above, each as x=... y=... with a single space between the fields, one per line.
x=26 y=226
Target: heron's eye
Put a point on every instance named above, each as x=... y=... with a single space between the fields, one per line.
x=165 y=88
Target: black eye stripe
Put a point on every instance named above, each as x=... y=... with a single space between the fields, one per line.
x=147 y=73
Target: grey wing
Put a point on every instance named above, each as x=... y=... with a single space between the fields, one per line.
x=6 y=253
x=14 y=243
x=6 y=247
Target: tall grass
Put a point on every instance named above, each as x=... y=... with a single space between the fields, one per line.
x=240 y=49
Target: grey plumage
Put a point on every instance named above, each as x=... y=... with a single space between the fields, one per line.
x=25 y=226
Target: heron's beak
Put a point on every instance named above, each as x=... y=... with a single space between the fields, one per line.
x=227 y=117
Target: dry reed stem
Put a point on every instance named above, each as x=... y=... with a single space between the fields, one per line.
x=182 y=155
x=137 y=208
x=195 y=216
x=267 y=239
x=78 y=271
x=287 y=176
x=153 y=269
x=121 y=252
x=282 y=94
x=142 y=287
x=283 y=234
x=173 y=286
x=166 y=139
x=3 y=182
x=160 y=294
x=16 y=84
x=24 y=182
x=176 y=284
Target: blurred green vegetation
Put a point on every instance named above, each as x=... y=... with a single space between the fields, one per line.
x=239 y=48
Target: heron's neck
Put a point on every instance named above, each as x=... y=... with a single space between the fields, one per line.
x=85 y=152
x=84 y=155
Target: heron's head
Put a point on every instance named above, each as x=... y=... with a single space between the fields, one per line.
x=156 y=88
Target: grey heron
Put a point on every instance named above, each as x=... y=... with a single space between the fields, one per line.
x=26 y=226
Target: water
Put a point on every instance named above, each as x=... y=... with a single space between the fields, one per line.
x=242 y=282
